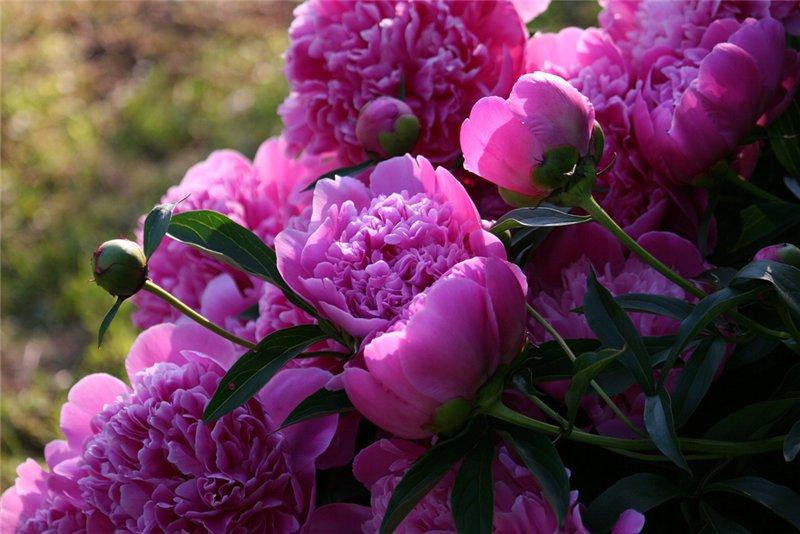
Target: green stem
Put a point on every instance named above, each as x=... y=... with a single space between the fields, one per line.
x=549 y=411
x=539 y=318
x=173 y=301
x=738 y=181
x=786 y=317
x=707 y=447
x=659 y=458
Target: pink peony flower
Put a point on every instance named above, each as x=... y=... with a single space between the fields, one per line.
x=369 y=250
x=519 y=505
x=421 y=375
x=343 y=55
x=558 y=273
x=141 y=460
x=262 y=196
x=507 y=141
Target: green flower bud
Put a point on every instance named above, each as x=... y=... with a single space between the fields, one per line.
x=451 y=415
x=597 y=143
x=120 y=267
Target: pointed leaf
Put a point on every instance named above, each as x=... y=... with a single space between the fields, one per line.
x=716 y=523
x=753 y=421
x=641 y=492
x=783 y=277
x=472 y=498
x=257 y=366
x=541 y=458
x=423 y=476
x=784 y=138
x=615 y=330
x=540 y=217
x=586 y=367
x=656 y=304
x=791 y=445
x=780 y=499
x=107 y=320
x=322 y=402
x=156 y=225
x=350 y=170
x=661 y=427
x=696 y=377
x=763 y=223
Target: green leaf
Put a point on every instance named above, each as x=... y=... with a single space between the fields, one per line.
x=752 y=421
x=791 y=445
x=156 y=225
x=780 y=499
x=655 y=304
x=220 y=237
x=763 y=223
x=615 y=330
x=540 y=217
x=350 y=170
x=696 y=377
x=784 y=138
x=107 y=320
x=716 y=523
x=660 y=426
x=322 y=402
x=257 y=366
x=783 y=277
x=793 y=185
x=705 y=311
x=586 y=367
x=541 y=458
x=423 y=476
x=641 y=492
x=472 y=498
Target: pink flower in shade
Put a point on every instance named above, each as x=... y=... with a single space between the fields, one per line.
x=262 y=196
x=141 y=459
x=343 y=55
x=369 y=250
x=519 y=505
x=783 y=253
x=558 y=273
x=446 y=345
x=506 y=141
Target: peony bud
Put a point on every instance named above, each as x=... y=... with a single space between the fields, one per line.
x=120 y=267
x=387 y=127
x=783 y=253
x=531 y=143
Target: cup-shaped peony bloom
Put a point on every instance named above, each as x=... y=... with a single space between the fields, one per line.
x=140 y=458
x=387 y=127
x=519 y=503
x=444 y=55
x=421 y=375
x=526 y=143
x=263 y=196
x=368 y=250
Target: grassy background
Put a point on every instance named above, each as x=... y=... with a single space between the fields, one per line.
x=103 y=106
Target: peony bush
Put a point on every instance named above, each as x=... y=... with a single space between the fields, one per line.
x=484 y=281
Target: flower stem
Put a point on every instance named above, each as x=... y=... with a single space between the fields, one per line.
x=597 y=388
x=734 y=179
x=173 y=301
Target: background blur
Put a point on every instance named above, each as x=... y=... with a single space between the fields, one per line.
x=104 y=106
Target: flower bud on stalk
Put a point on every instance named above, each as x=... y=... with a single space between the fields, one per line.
x=387 y=127
x=120 y=267
x=782 y=253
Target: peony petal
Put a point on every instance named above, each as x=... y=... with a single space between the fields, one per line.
x=85 y=400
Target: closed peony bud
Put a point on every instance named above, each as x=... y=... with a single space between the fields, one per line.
x=120 y=267
x=530 y=143
x=783 y=253
x=387 y=127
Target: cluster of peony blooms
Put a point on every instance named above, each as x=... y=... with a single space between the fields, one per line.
x=427 y=121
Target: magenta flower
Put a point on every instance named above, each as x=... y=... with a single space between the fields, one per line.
x=141 y=459
x=519 y=504
x=507 y=141
x=447 y=55
x=262 y=196
x=449 y=341
x=369 y=250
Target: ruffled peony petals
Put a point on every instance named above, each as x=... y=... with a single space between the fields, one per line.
x=676 y=252
x=86 y=398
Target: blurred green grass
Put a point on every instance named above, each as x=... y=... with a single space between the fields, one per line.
x=103 y=106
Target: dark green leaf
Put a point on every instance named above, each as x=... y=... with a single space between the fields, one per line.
x=257 y=366
x=784 y=278
x=655 y=304
x=472 y=498
x=751 y=352
x=791 y=445
x=718 y=524
x=615 y=330
x=586 y=366
x=156 y=225
x=784 y=138
x=660 y=426
x=322 y=402
x=752 y=421
x=540 y=217
x=780 y=499
x=220 y=237
x=107 y=320
x=423 y=476
x=765 y=222
x=351 y=170
x=541 y=458
x=696 y=377
x=641 y=492
x=793 y=185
